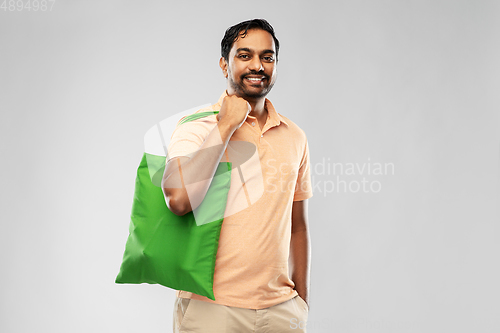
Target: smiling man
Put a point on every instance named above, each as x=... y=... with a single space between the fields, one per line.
x=265 y=234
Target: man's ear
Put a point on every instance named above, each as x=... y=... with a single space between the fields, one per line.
x=223 y=66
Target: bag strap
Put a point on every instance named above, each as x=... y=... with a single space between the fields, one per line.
x=198 y=115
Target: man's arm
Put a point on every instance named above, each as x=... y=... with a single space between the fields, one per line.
x=199 y=169
x=300 y=251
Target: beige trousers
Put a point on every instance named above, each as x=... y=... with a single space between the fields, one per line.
x=195 y=316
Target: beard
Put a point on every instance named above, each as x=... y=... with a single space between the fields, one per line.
x=243 y=90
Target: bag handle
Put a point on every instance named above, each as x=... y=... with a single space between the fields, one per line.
x=198 y=115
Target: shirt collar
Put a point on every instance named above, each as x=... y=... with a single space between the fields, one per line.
x=274 y=118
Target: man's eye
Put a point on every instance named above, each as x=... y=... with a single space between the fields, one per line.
x=270 y=59
x=243 y=56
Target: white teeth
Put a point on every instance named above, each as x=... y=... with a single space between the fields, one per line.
x=254 y=79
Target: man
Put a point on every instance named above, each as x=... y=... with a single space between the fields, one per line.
x=265 y=225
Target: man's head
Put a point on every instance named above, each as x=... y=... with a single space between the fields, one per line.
x=249 y=53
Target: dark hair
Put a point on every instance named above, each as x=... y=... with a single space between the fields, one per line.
x=233 y=33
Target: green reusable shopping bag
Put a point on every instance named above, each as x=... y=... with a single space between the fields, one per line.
x=170 y=250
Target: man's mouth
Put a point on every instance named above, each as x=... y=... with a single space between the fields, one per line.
x=255 y=79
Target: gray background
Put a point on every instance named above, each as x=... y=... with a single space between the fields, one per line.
x=413 y=83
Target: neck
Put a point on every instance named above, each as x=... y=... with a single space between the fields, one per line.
x=258 y=107
x=259 y=111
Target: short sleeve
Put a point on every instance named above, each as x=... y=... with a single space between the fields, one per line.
x=303 y=189
x=188 y=137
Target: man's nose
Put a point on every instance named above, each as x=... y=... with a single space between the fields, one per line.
x=256 y=64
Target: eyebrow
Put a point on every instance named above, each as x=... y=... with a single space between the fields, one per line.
x=246 y=49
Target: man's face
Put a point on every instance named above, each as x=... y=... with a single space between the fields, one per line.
x=251 y=67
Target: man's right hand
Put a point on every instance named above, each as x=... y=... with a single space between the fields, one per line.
x=234 y=111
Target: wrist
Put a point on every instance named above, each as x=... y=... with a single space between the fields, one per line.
x=226 y=130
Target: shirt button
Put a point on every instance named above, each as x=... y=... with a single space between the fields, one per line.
x=253 y=124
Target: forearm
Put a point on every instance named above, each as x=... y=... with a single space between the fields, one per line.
x=195 y=173
x=300 y=254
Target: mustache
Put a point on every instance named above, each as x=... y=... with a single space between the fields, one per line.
x=254 y=73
